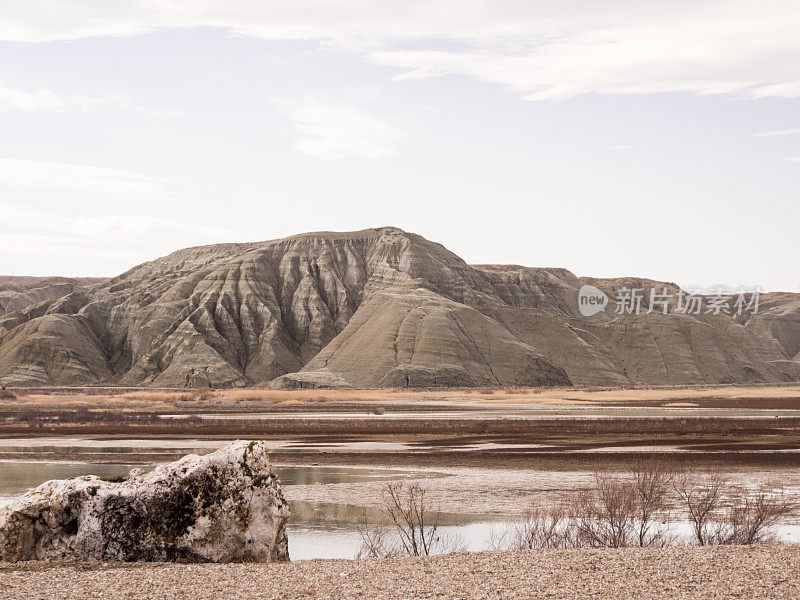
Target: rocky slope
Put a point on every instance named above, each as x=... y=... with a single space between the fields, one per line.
x=379 y=307
x=222 y=507
x=17 y=293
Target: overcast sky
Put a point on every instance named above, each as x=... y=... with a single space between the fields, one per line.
x=657 y=139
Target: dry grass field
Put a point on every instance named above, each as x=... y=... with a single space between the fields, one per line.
x=711 y=396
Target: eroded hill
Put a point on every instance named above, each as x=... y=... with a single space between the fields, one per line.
x=379 y=307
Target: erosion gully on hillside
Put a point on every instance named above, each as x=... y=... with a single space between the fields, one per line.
x=374 y=308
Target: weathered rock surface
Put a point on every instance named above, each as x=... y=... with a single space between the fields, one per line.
x=222 y=507
x=379 y=307
x=18 y=293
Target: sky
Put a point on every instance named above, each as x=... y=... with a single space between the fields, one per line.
x=623 y=138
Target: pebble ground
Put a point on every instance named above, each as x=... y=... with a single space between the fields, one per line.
x=690 y=573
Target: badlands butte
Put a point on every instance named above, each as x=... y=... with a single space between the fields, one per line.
x=367 y=309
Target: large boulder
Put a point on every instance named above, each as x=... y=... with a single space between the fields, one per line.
x=222 y=507
x=315 y=380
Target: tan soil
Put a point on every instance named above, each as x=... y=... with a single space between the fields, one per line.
x=765 y=572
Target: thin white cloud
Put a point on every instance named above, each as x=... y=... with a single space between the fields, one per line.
x=792 y=158
x=778 y=132
x=122 y=230
x=69 y=181
x=543 y=50
x=789 y=89
x=68 y=216
x=332 y=130
x=47 y=241
x=44 y=100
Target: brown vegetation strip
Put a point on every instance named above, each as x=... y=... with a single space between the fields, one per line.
x=703 y=395
x=764 y=572
x=379 y=425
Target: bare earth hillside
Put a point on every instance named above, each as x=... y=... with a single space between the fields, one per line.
x=373 y=308
x=17 y=293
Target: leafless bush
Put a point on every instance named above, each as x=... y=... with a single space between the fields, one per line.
x=376 y=541
x=491 y=390
x=652 y=485
x=30 y=418
x=411 y=513
x=543 y=527
x=413 y=528
x=617 y=511
x=7 y=394
x=702 y=499
x=624 y=510
x=633 y=509
x=605 y=515
x=751 y=520
x=194 y=395
x=500 y=539
x=720 y=515
x=202 y=394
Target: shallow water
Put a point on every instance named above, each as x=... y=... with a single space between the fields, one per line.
x=319 y=530
x=316 y=530
x=16 y=477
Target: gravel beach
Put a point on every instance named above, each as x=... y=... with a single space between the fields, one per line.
x=762 y=572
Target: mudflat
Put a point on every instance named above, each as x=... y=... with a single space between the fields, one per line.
x=731 y=427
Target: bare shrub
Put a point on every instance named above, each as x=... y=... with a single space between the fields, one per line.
x=543 y=527
x=652 y=485
x=413 y=528
x=750 y=521
x=633 y=509
x=376 y=541
x=604 y=515
x=411 y=513
x=29 y=417
x=491 y=390
x=618 y=510
x=721 y=515
x=625 y=510
x=500 y=539
x=702 y=497
x=194 y=395
x=7 y=394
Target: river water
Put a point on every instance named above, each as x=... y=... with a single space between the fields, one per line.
x=316 y=530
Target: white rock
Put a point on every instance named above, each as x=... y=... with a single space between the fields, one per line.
x=222 y=507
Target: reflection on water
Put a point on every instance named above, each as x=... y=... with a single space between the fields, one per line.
x=331 y=530
x=315 y=530
x=292 y=475
x=16 y=477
